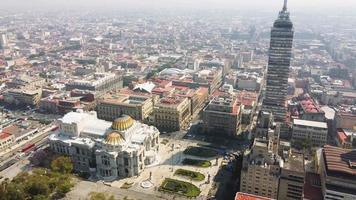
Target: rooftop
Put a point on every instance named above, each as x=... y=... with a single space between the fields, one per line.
x=340 y=162
x=245 y=196
x=4 y=135
x=309 y=106
x=309 y=123
x=295 y=162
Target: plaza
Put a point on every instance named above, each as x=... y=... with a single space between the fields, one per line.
x=170 y=160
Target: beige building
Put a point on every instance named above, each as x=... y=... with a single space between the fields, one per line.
x=292 y=178
x=111 y=107
x=6 y=140
x=23 y=96
x=26 y=81
x=222 y=115
x=270 y=169
x=260 y=170
x=172 y=113
x=313 y=131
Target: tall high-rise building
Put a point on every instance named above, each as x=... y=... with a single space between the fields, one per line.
x=280 y=53
x=3 y=41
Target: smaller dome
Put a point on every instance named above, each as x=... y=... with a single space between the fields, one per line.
x=114 y=138
x=122 y=123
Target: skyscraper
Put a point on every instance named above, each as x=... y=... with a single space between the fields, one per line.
x=280 y=53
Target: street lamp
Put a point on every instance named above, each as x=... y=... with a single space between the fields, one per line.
x=172 y=156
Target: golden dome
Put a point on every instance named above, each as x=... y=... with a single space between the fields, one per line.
x=114 y=138
x=122 y=123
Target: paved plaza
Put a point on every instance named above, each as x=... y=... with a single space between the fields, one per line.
x=144 y=187
x=172 y=159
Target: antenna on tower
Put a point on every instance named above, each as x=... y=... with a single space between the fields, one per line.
x=285 y=5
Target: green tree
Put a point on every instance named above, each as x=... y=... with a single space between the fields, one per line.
x=62 y=164
x=40 y=197
x=63 y=188
x=37 y=186
x=100 y=196
x=14 y=192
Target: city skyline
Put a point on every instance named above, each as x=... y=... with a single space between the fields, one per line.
x=270 y=5
x=178 y=99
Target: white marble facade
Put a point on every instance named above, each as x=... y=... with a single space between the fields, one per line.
x=107 y=150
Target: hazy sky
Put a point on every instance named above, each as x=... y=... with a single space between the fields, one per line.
x=294 y=5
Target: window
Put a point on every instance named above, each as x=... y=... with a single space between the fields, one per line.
x=126 y=161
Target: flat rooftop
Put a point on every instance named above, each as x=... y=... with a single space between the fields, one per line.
x=309 y=123
x=245 y=196
x=295 y=162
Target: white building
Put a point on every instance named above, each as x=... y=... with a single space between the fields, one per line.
x=107 y=150
x=313 y=131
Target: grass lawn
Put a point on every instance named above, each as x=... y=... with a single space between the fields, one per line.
x=200 y=152
x=179 y=187
x=195 y=176
x=197 y=163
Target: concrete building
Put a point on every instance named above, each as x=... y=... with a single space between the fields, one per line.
x=209 y=76
x=249 y=82
x=198 y=97
x=222 y=115
x=346 y=119
x=23 y=96
x=172 y=113
x=346 y=138
x=260 y=170
x=98 y=82
x=25 y=81
x=106 y=150
x=311 y=111
x=280 y=54
x=292 y=177
x=111 y=106
x=6 y=140
x=3 y=41
x=313 y=131
x=338 y=173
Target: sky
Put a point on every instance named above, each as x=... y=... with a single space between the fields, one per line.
x=268 y=5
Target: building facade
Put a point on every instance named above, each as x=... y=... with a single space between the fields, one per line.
x=222 y=115
x=338 y=173
x=138 y=107
x=260 y=170
x=106 y=150
x=172 y=113
x=23 y=96
x=313 y=131
x=6 y=140
x=98 y=82
x=280 y=53
x=292 y=177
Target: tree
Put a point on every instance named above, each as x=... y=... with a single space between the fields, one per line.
x=37 y=186
x=13 y=192
x=62 y=164
x=100 y=196
x=64 y=188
